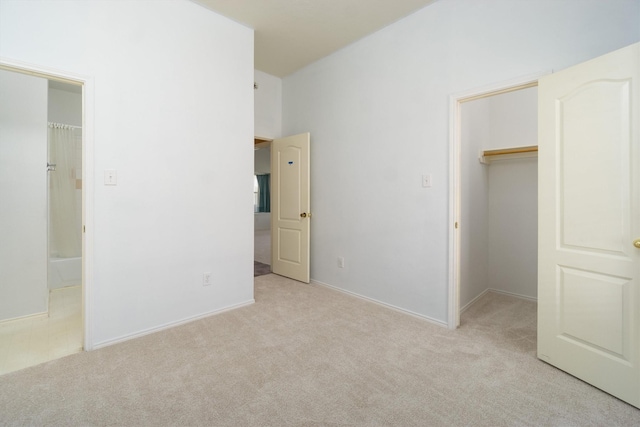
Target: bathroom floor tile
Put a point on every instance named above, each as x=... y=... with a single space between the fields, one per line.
x=34 y=340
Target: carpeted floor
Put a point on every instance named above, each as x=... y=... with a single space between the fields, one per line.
x=304 y=355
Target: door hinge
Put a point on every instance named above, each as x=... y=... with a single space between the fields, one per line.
x=84 y=229
x=456 y=225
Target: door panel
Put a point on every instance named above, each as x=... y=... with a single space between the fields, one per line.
x=592 y=310
x=589 y=215
x=595 y=213
x=290 y=197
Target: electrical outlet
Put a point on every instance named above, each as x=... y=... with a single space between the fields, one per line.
x=341 y=262
x=206 y=279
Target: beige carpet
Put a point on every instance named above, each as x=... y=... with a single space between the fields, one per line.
x=308 y=356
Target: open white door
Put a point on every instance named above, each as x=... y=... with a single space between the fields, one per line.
x=589 y=217
x=290 y=207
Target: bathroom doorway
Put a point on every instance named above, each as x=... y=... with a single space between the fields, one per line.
x=41 y=143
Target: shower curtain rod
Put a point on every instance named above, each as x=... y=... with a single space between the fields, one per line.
x=62 y=126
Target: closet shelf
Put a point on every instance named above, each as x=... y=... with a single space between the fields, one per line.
x=260 y=139
x=487 y=156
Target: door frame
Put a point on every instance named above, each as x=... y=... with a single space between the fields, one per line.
x=455 y=194
x=87 y=177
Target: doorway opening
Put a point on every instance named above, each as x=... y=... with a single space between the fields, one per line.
x=262 y=207
x=45 y=313
x=493 y=199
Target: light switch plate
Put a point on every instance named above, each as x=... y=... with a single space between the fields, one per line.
x=110 y=177
x=426 y=180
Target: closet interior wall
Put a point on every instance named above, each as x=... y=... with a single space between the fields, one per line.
x=499 y=201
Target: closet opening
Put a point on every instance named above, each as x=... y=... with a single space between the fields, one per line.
x=493 y=251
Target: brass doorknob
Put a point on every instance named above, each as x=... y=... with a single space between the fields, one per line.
x=636 y=243
x=303 y=215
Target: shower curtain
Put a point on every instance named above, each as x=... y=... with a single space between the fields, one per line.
x=64 y=225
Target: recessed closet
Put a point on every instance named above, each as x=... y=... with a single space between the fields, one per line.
x=499 y=211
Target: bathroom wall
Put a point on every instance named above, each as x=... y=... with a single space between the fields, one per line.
x=65 y=106
x=23 y=186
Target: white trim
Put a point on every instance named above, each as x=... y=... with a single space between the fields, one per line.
x=170 y=325
x=497 y=291
x=511 y=294
x=505 y=86
x=88 y=205
x=453 y=315
x=473 y=301
x=453 y=312
x=40 y=315
x=392 y=307
x=87 y=175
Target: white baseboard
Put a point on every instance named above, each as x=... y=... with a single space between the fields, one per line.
x=470 y=303
x=384 y=304
x=169 y=325
x=497 y=291
x=28 y=316
x=511 y=294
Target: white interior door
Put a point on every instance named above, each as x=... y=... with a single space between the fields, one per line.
x=589 y=216
x=290 y=207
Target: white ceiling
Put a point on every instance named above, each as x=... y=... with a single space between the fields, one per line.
x=290 y=34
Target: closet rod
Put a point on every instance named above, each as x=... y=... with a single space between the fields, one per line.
x=515 y=150
x=487 y=156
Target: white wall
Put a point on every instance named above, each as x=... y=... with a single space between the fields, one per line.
x=262 y=161
x=23 y=190
x=65 y=107
x=513 y=196
x=474 y=213
x=262 y=221
x=378 y=113
x=499 y=200
x=268 y=105
x=513 y=227
x=172 y=113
